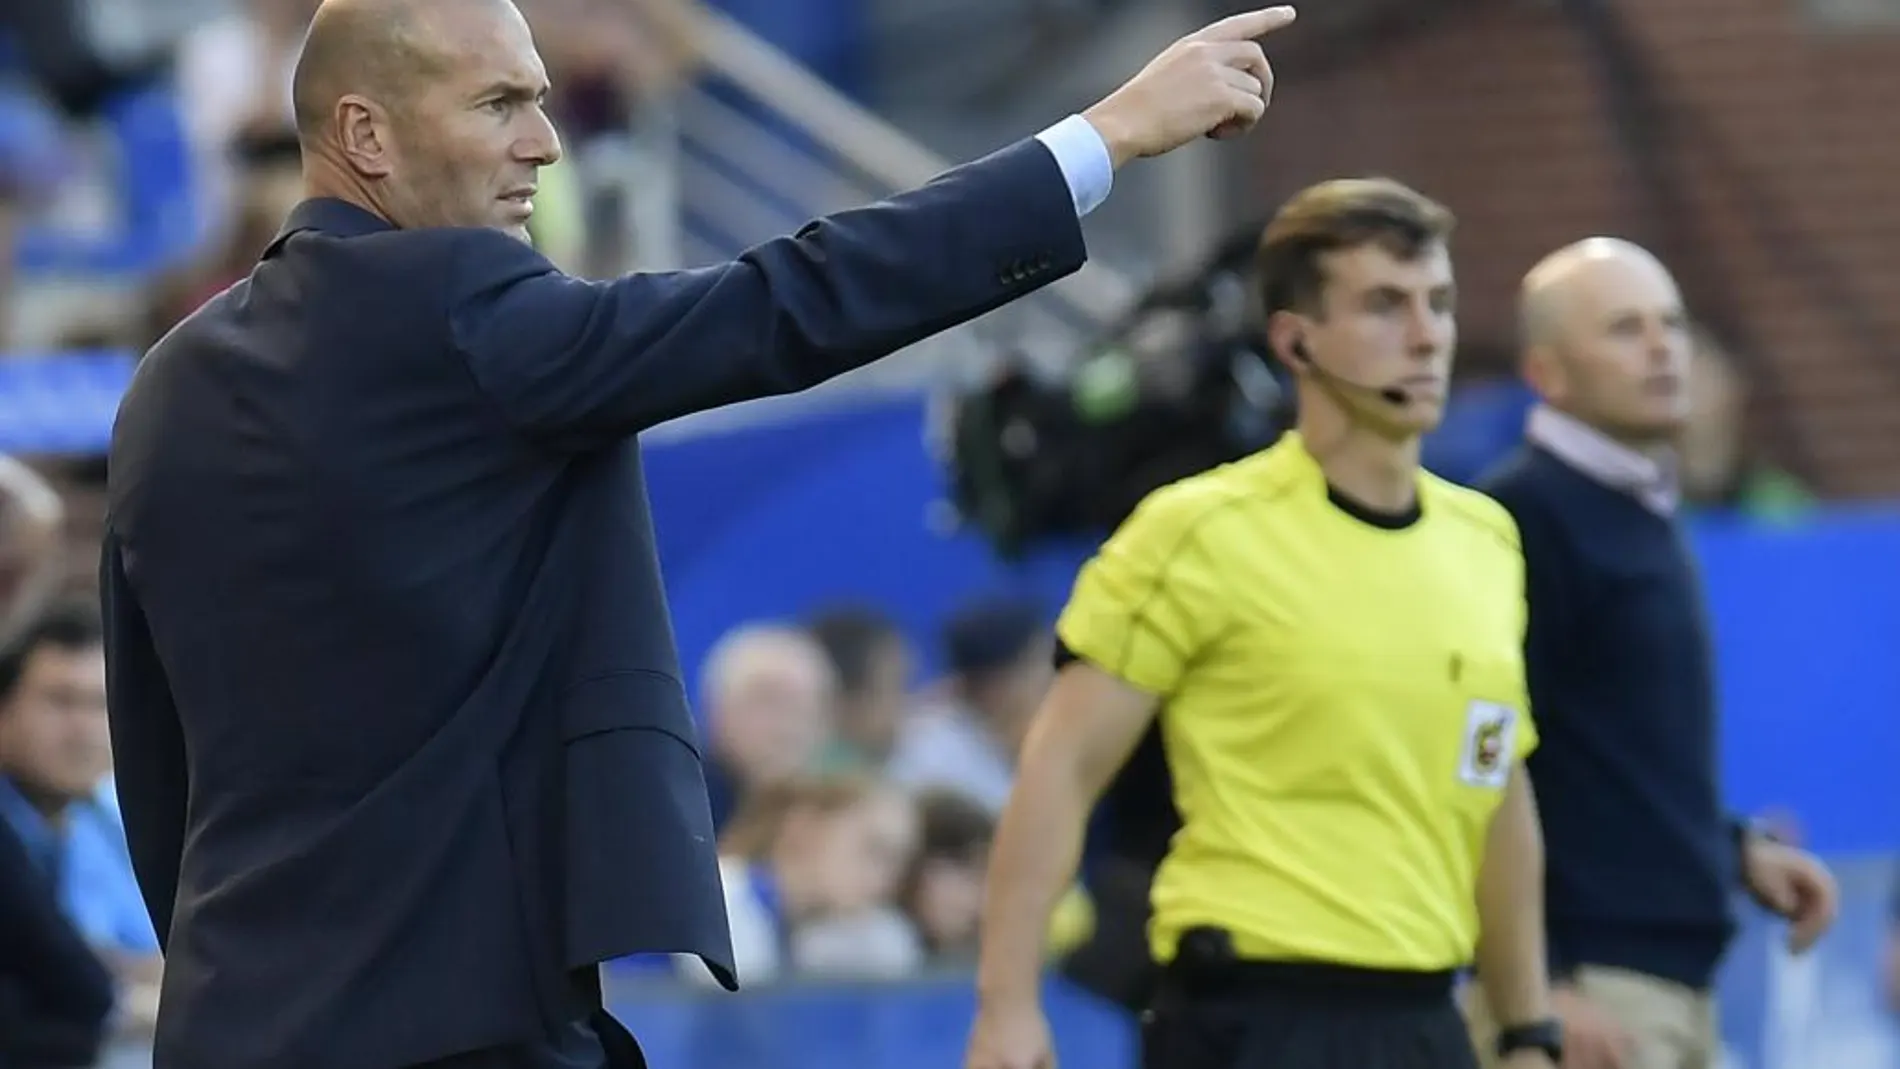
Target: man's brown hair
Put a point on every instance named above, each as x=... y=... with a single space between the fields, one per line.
x=1333 y=216
x=755 y=828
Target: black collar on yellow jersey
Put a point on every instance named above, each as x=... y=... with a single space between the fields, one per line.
x=1390 y=521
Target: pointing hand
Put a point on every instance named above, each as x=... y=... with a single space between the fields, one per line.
x=1214 y=82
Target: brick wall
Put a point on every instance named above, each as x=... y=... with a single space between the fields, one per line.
x=1497 y=112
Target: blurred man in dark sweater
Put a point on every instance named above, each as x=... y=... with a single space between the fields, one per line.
x=56 y=995
x=1642 y=855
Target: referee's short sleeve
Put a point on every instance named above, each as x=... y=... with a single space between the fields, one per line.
x=1147 y=603
x=1526 y=736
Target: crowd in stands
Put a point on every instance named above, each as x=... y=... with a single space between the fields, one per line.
x=615 y=63
x=854 y=813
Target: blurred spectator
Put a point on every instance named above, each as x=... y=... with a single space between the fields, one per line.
x=1892 y=958
x=1719 y=467
x=32 y=160
x=31 y=554
x=233 y=75
x=1000 y=657
x=55 y=994
x=769 y=694
x=628 y=52
x=873 y=662
x=616 y=66
x=9 y=233
x=54 y=755
x=268 y=183
x=943 y=892
x=1134 y=822
x=811 y=870
x=53 y=42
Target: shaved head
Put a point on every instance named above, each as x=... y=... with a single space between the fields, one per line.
x=354 y=47
x=426 y=112
x=1606 y=338
x=770 y=694
x=1554 y=287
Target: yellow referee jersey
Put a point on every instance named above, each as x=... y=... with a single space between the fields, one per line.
x=1342 y=706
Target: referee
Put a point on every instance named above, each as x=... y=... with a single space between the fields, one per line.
x=1335 y=637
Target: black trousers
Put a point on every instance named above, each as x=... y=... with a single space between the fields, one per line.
x=1114 y=962
x=596 y=1043
x=1258 y=1015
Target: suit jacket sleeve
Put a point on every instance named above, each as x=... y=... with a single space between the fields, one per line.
x=148 y=744
x=580 y=363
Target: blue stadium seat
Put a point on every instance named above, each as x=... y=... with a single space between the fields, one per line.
x=62 y=403
x=159 y=218
x=32 y=152
x=921 y=1024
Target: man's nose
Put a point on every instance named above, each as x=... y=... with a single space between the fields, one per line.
x=1663 y=344
x=1427 y=332
x=542 y=145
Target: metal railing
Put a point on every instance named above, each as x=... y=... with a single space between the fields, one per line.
x=765 y=145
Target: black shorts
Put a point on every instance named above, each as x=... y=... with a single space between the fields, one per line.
x=1270 y=1015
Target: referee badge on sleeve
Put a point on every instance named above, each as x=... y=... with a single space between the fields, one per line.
x=1490 y=731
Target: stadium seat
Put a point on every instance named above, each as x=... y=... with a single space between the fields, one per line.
x=61 y=403
x=158 y=217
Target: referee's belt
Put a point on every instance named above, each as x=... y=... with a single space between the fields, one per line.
x=1205 y=965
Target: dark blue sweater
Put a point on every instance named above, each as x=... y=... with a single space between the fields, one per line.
x=1641 y=856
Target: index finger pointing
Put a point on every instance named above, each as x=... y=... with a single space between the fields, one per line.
x=1246 y=26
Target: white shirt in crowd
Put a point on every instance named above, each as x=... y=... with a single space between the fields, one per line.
x=947 y=747
x=220 y=66
x=878 y=945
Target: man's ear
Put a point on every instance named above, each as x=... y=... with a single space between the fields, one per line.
x=1545 y=373
x=362 y=127
x=1286 y=331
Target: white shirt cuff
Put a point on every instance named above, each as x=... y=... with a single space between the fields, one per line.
x=1083 y=157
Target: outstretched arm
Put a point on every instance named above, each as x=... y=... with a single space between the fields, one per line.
x=578 y=364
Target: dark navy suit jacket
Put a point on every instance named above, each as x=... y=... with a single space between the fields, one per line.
x=399 y=728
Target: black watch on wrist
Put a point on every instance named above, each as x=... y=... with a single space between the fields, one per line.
x=1546 y=1035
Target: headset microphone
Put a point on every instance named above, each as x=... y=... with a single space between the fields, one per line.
x=1391 y=395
